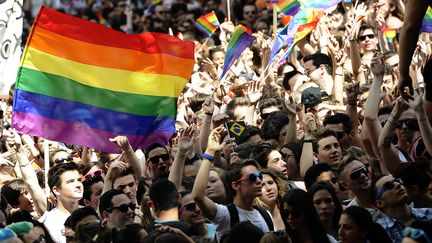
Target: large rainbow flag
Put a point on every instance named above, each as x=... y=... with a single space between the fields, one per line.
x=83 y=83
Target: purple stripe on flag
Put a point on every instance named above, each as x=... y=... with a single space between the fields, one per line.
x=234 y=53
x=79 y=134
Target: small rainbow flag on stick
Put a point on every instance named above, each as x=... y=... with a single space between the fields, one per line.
x=241 y=38
x=288 y=7
x=207 y=23
x=427 y=21
x=82 y=83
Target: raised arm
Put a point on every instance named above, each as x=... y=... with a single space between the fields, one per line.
x=29 y=175
x=208 y=109
x=290 y=107
x=389 y=153
x=425 y=127
x=207 y=206
x=306 y=159
x=372 y=105
x=414 y=13
x=130 y=157
x=185 y=143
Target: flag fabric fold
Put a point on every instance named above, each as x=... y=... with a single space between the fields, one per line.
x=241 y=38
x=82 y=83
x=427 y=22
x=303 y=23
x=207 y=23
x=288 y=7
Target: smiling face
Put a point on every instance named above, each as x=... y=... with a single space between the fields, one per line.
x=190 y=213
x=117 y=218
x=367 y=40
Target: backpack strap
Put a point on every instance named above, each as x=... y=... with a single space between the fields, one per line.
x=264 y=213
x=234 y=217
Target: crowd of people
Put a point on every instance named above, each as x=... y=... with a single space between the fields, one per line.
x=325 y=147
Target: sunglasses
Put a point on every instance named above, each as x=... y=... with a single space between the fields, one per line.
x=355 y=175
x=94 y=174
x=61 y=160
x=286 y=156
x=415 y=234
x=41 y=239
x=191 y=207
x=123 y=208
x=409 y=123
x=387 y=186
x=252 y=177
x=363 y=37
x=155 y=159
x=250 y=12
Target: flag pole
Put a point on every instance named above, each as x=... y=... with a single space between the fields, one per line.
x=274 y=21
x=46 y=168
x=229 y=10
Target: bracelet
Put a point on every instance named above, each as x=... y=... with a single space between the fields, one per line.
x=338 y=74
x=180 y=155
x=209 y=114
x=208 y=157
x=308 y=140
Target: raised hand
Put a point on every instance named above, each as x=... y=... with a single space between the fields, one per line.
x=289 y=105
x=340 y=57
x=352 y=90
x=208 y=106
x=214 y=142
x=417 y=100
x=122 y=142
x=186 y=140
x=377 y=65
x=253 y=92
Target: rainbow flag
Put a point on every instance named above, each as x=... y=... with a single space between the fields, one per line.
x=82 y=83
x=390 y=34
x=207 y=23
x=304 y=22
x=153 y=5
x=320 y=4
x=427 y=22
x=288 y=7
x=241 y=38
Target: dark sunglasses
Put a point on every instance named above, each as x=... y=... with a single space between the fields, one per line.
x=191 y=207
x=94 y=174
x=41 y=239
x=252 y=177
x=294 y=213
x=250 y=12
x=155 y=159
x=123 y=208
x=387 y=186
x=363 y=37
x=411 y=124
x=355 y=175
x=61 y=160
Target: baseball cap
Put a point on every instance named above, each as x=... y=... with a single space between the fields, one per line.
x=311 y=97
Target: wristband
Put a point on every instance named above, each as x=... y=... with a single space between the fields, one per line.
x=208 y=157
x=209 y=114
x=308 y=140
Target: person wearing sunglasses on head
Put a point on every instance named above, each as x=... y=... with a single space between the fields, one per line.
x=390 y=197
x=245 y=182
x=116 y=209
